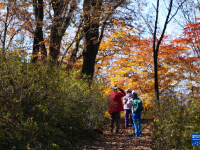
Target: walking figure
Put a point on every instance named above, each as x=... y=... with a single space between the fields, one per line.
x=137 y=109
x=115 y=106
x=127 y=109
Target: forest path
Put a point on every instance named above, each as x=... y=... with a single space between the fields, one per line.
x=120 y=141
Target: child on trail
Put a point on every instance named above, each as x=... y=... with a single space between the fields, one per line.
x=127 y=109
x=137 y=109
x=115 y=106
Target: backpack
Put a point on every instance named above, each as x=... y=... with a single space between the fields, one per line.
x=137 y=105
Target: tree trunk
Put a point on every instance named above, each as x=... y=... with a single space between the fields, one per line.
x=156 y=78
x=89 y=56
x=38 y=44
x=92 y=13
x=55 y=41
x=5 y=33
x=156 y=45
x=60 y=23
x=155 y=57
x=91 y=29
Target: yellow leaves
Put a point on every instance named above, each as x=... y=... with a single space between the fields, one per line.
x=15 y=100
x=114 y=80
x=129 y=64
x=8 y=114
x=122 y=72
x=147 y=104
x=107 y=115
x=165 y=66
x=156 y=120
x=2 y=5
x=106 y=45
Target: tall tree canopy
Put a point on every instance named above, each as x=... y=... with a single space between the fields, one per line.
x=93 y=33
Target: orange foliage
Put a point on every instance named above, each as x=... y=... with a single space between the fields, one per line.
x=128 y=62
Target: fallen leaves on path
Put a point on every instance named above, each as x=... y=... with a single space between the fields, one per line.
x=123 y=140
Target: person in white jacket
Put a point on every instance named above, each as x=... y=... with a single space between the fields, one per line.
x=127 y=109
x=136 y=107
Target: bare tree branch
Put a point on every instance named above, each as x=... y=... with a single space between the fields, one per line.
x=75 y=39
x=106 y=19
x=5 y=32
x=176 y=10
x=9 y=43
x=155 y=28
x=165 y=25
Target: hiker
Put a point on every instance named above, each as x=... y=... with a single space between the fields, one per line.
x=115 y=106
x=137 y=109
x=127 y=109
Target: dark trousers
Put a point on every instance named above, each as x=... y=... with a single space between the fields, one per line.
x=115 y=117
x=127 y=114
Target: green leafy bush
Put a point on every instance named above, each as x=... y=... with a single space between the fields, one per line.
x=42 y=107
x=174 y=124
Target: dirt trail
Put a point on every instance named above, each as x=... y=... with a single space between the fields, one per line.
x=120 y=141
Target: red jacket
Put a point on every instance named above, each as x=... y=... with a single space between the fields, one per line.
x=115 y=101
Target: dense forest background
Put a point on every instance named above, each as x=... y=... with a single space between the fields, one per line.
x=59 y=59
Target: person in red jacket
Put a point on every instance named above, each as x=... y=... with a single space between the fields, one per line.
x=115 y=106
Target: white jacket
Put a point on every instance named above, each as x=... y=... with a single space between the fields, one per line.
x=130 y=103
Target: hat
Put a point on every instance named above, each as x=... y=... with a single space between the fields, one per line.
x=134 y=92
x=114 y=87
x=128 y=90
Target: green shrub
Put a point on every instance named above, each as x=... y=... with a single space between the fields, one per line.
x=42 y=107
x=174 y=124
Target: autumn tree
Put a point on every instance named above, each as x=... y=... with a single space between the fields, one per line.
x=49 y=22
x=188 y=20
x=158 y=39
x=128 y=62
x=14 y=23
x=96 y=15
x=189 y=41
x=63 y=11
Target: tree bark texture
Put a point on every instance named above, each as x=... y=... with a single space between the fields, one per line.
x=63 y=11
x=92 y=9
x=38 y=44
x=94 y=26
